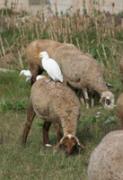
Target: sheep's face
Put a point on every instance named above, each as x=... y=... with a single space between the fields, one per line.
x=107 y=99
x=70 y=144
x=43 y=54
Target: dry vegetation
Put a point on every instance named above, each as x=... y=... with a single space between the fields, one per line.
x=100 y=35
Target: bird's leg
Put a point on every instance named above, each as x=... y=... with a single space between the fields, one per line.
x=92 y=102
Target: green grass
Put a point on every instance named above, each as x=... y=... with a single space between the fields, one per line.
x=35 y=162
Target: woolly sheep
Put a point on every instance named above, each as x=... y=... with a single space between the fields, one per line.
x=58 y=105
x=32 y=52
x=83 y=72
x=119 y=107
x=80 y=70
x=106 y=161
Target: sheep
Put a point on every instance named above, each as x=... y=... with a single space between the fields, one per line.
x=119 y=108
x=32 y=53
x=58 y=105
x=80 y=70
x=106 y=161
x=83 y=72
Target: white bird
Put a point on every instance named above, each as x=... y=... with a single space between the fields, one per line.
x=26 y=73
x=51 y=67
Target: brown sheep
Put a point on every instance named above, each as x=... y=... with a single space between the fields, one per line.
x=106 y=161
x=83 y=72
x=80 y=70
x=58 y=105
x=119 y=106
x=32 y=53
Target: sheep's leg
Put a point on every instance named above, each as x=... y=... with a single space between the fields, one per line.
x=92 y=102
x=58 y=131
x=30 y=116
x=46 y=127
x=86 y=97
x=80 y=95
x=35 y=70
x=59 y=134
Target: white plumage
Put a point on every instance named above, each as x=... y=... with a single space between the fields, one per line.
x=51 y=67
x=26 y=73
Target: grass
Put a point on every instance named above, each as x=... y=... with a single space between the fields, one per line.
x=94 y=35
x=34 y=161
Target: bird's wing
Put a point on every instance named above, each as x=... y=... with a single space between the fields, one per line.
x=53 y=69
x=56 y=69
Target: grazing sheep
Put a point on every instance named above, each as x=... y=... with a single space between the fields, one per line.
x=58 y=105
x=32 y=52
x=83 y=72
x=106 y=161
x=80 y=70
x=119 y=106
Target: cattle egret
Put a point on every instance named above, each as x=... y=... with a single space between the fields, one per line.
x=26 y=73
x=51 y=67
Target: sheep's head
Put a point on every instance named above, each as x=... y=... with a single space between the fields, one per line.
x=70 y=144
x=107 y=99
x=43 y=54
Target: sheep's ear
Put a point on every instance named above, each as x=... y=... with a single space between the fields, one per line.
x=80 y=145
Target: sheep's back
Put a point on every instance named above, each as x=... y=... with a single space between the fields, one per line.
x=106 y=161
x=53 y=100
x=35 y=47
x=76 y=66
